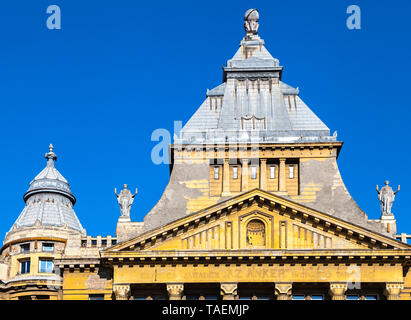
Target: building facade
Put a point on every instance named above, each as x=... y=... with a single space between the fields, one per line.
x=255 y=209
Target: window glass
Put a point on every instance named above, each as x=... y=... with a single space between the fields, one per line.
x=353 y=297
x=235 y=172
x=298 y=297
x=25 y=266
x=48 y=246
x=24 y=248
x=291 y=172
x=46 y=266
x=317 y=297
x=216 y=173
x=272 y=172
x=96 y=296
x=371 y=297
x=253 y=172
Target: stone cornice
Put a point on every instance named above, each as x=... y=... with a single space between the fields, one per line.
x=266 y=256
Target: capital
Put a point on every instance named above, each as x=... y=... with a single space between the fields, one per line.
x=228 y=290
x=337 y=290
x=393 y=290
x=121 y=291
x=175 y=291
x=283 y=291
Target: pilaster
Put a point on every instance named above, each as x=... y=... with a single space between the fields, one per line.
x=244 y=175
x=282 y=176
x=226 y=178
x=263 y=174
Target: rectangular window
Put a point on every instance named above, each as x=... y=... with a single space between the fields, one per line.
x=25 y=266
x=46 y=266
x=353 y=297
x=25 y=248
x=253 y=172
x=96 y=296
x=298 y=297
x=48 y=247
x=317 y=297
x=272 y=172
x=371 y=297
x=216 y=173
x=235 y=172
x=291 y=172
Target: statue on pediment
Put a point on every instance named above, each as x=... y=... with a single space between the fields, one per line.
x=125 y=199
x=386 y=196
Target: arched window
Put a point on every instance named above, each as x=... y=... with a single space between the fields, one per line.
x=256 y=233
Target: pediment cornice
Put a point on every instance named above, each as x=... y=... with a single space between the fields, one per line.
x=262 y=199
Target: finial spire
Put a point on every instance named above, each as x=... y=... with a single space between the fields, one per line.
x=251 y=24
x=51 y=156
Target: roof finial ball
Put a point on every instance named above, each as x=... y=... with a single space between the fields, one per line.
x=251 y=24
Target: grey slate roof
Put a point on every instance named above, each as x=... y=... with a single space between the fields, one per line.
x=49 y=201
x=253 y=104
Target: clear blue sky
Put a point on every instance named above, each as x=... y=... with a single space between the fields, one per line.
x=117 y=70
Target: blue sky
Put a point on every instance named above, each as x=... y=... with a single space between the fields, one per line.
x=118 y=70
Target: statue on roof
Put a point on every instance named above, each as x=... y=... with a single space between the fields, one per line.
x=386 y=196
x=251 y=23
x=125 y=199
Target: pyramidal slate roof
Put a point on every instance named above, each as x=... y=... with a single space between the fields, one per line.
x=49 y=201
x=253 y=104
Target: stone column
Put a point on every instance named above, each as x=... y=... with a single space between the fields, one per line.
x=393 y=290
x=226 y=178
x=282 y=176
x=263 y=174
x=228 y=290
x=337 y=290
x=244 y=175
x=175 y=291
x=121 y=291
x=283 y=291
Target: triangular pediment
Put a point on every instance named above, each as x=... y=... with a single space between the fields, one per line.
x=258 y=220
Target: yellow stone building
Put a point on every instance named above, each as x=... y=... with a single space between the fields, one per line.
x=255 y=209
